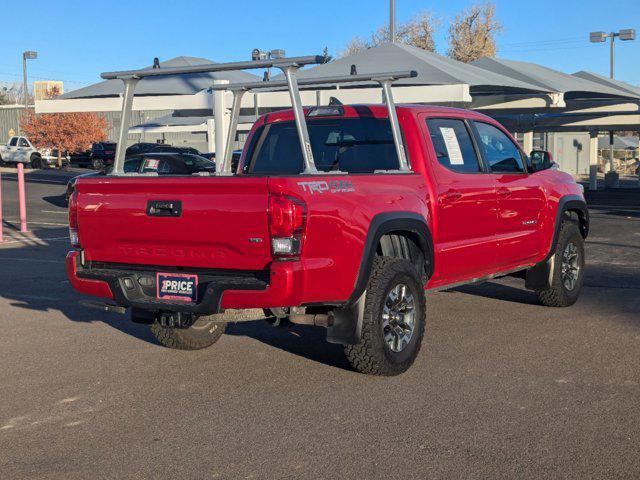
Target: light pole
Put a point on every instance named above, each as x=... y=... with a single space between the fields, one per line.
x=392 y=21
x=599 y=37
x=611 y=177
x=28 y=55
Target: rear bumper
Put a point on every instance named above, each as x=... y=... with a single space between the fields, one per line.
x=87 y=286
x=280 y=286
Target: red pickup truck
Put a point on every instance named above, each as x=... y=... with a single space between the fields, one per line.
x=353 y=248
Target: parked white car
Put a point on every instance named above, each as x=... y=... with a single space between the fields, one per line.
x=20 y=150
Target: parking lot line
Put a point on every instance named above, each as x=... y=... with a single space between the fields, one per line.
x=13 y=220
x=34 y=239
x=63 y=212
x=35 y=260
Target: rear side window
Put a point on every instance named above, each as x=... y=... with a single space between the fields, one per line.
x=500 y=153
x=13 y=142
x=354 y=145
x=453 y=145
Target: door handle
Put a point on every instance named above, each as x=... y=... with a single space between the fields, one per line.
x=504 y=192
x=164 y=208
x=451 y=195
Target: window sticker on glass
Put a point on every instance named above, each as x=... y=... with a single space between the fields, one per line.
x=151 y=164
x=453 y=147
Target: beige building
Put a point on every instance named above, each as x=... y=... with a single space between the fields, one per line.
x=43 y=89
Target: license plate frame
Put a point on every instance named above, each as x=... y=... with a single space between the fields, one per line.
x=182 y=287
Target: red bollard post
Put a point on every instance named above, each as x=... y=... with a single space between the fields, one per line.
x=23 y=206
x=1 y=239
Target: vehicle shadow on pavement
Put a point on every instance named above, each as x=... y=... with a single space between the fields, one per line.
x=56 y=200
x=499 y=291
x=34 y=278
x=37 y=258
x=302 y=340
x=599 y=279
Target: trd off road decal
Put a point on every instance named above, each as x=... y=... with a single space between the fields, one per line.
x=322 y=186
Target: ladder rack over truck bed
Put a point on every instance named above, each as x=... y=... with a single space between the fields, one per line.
x=289 y=67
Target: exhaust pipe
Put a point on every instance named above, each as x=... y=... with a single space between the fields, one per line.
x=318 y=320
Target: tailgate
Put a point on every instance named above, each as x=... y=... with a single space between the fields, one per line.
x=175 y=221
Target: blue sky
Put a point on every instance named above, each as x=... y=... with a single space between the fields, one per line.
x=76 y=40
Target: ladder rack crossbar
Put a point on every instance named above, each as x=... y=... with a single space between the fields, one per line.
x=216 y=67
x=280 y=84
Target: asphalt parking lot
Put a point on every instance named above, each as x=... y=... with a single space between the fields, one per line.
x=502 y=388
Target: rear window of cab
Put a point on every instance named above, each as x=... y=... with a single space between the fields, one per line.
x=353 y=145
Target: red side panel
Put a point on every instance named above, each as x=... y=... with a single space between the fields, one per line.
x=339 y=212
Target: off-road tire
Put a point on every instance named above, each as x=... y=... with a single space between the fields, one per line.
x=371 y=354
x=202 y=334
x=558 y=295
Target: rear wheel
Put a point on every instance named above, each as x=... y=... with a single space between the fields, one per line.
x=568 y=271
x=97 y=164
x=36 y=162
x=394 y=319
x=202 y=334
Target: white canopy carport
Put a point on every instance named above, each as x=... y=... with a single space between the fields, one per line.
x=187 y=91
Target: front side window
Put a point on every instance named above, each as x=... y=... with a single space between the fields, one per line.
x=500 y=153
x=453 y=146
x=353 y=145
x=23 y=142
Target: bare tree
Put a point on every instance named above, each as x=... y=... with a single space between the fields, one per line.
x=418 y=32
x=11 y=94
x=355 y=45
x=472 y=33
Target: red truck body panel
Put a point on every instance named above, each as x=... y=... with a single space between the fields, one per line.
x=480 y=224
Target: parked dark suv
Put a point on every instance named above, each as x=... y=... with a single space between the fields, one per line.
x=100 y=155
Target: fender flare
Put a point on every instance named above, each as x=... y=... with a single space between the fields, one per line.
x=348 y=319
x=539 y=276
x=566 y=203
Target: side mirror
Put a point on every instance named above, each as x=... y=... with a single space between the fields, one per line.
x=540 y=160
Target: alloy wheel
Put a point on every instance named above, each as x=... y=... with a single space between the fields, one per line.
x=398 y=317
x=570 y=266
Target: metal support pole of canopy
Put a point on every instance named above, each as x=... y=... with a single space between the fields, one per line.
x=127 y=103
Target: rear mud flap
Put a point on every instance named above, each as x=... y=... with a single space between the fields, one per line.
x=347 y=323
x=539 y=276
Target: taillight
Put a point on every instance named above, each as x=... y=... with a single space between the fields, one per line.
x=287 y=220
x=73 y=220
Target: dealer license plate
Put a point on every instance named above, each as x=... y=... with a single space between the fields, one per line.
x=177 y=286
